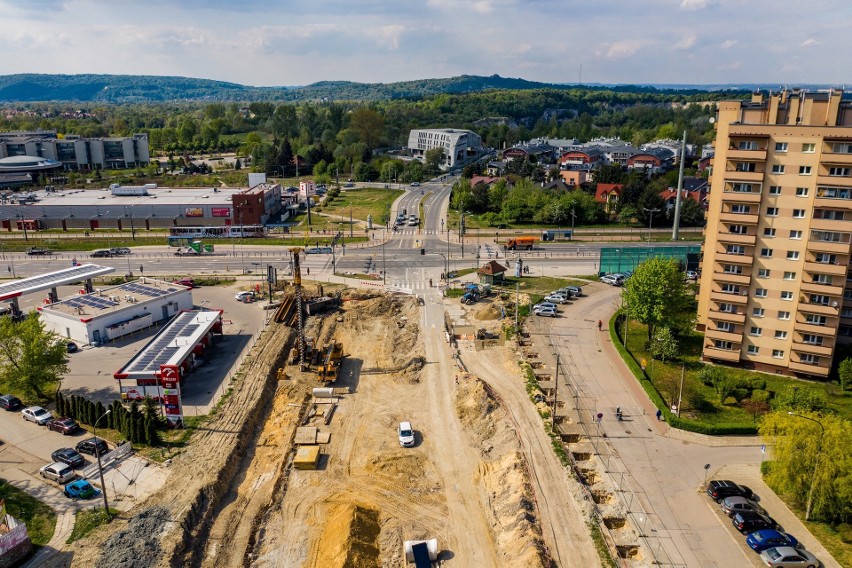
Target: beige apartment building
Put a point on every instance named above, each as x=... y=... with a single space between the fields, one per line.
x=775 y=292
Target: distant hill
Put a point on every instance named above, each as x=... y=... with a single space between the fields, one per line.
x=142 y=88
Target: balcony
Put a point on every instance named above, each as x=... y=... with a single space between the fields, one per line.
x=834 y=181
x=838 y=226
x=741 y=196
x=732 y=356
x=738 y=218
x=723 y=335
x=751 y=177
x=744 y=279
x=825 y=289
x=819 y=309
x=736 y=238
x=747 y=155
x=819 y=350
x=809 y=369
x=745 y=260
x=725 y=297
x=827 y=330
x=826 y=268
x=726 y=316
x=839 y=159
x=826 y=246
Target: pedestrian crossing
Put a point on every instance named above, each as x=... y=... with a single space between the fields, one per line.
x=416 y=231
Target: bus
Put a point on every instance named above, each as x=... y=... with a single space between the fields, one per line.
x=184 y=236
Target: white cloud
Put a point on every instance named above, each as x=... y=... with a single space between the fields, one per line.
x=622 y=49
x=686 y=42
x=728 y=43
x=808 y=42
x=694 y=4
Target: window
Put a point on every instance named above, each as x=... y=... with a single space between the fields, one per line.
x=747 y=145
x=808 y=359
x=757 y=312
x=784 y=315
x=787 y=295
x=742 y=209
x=820 y=299
x=745 y=166
x=823 y=279
x=727 y=308
x=768 y=232
x=726 y=345
x=780 y=146
x=846 y=313
x=774 y=190
x=834 y=192
x=826 y=258
x=780 y=335
x=789 y=276
x=792 y=255
x=812 y=339
x=730 y=288
x=832 y=214
x=798 y=213
x=804 y=170
x=738 y=229
x=763 y=273
x=777 y=354
x=808 y=148
x=725 y=326
x=830 y=237
x=796 y=235
x=735 y=249
x=839 y=172
x=766 y=253
x=814 y=319
x=845 y=331
x=771 y=211
x=847 y=295
x=760 y=293
x=742 y=188
x=801 y=192
x=732 y=269
x=753 y=349
x=841 y=148
x=778 y=169
x=756 y=331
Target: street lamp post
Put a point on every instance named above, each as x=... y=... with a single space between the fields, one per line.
x=132 y=228
x=100 y=468
x=816 y=463
x=650 y=213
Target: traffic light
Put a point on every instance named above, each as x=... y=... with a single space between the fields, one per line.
x=422 y=252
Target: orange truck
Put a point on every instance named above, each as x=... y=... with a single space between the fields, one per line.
x=520 y=243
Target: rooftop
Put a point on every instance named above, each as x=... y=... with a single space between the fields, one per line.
x=51 y=280
x=109 y=300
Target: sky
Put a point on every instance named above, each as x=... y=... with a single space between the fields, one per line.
x=286 y=43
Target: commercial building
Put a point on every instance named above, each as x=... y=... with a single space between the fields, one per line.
x=77 y=153
x=109 y=313
x=141 y=207
x=775 y=292
x=460 y=146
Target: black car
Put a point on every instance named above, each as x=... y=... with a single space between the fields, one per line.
x=719 y=489
x=88 y=446
x=71 y=347
x=749 y=521
x=10 y=402
x=68 y=456
x=101 y=254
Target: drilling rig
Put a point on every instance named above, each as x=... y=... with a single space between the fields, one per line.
x=297 y=282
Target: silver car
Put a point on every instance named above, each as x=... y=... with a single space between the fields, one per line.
x=731 y=505
x=37 y=414
x=58 y=472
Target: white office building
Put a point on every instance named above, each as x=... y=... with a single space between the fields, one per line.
x=460 y=146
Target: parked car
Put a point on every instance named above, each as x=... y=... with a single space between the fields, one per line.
x=718 y=489
x=556 y=299
x=749 y=521
x=318 y=250
x=246 y=296
x=64 y=426
x=188 y=282
x=120 y=251
x=788 y=557
x=101 y=254
x=71 y=347
x=760 y=540
x=612 y=280
x=415 y=184
x=58 y=472
x=691 y=275
x=572 y=291
x=547 y=312
x=89 y=445
x=37 y=414
x=541 y=305
x=68 y=456
x=38 y=251
x=80 y=489
x=406 y=434
x=10 y=402
x=731 y=505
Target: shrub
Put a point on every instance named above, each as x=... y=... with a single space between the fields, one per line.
x=844 y=531
x=740 y=394
x=759 y=395
x=757 y=383
x=709 y=375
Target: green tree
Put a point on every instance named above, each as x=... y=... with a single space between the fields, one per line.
x=32 y=360
x=691 y=213
x=664 y=346
x=657 y=296
x=433 y=159
x=844 y=373
x=369 y=126
x=649 y=201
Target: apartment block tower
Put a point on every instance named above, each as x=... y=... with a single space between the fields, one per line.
x=776 y=286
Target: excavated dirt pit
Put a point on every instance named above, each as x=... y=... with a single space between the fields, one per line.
x=601 y=497
x=629 y=551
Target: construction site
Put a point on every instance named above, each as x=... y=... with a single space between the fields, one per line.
x=302 y=465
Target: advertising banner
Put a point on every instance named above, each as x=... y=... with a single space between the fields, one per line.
x=194 y=212
x=170 y=379
x=220 y=211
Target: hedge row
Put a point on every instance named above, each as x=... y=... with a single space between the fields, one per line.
x=136 y=426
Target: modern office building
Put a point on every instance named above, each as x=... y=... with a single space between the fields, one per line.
x=77 y=153
x=460 y=146
x=775 y=292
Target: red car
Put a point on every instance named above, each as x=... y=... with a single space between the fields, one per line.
x=63 y=426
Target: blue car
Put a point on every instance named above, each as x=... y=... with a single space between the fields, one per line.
x=770 y=538
x=80 y=489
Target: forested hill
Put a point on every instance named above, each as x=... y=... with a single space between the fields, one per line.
x=141 y=88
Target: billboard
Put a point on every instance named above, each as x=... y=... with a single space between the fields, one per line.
x=170 y=379
x=220 y=211
x=194 y=212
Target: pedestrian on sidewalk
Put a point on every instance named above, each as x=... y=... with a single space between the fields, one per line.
x=659 y=415
x=600 y=325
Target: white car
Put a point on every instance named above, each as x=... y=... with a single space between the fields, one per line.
x=556 y=299
x=612 y=280
x=788 y=557
x=547 y=312
x=58 y=472
x=243 y=296
x=406 y=434
x=37 y=414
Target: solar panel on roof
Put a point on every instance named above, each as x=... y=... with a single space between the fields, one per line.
x=45 y=281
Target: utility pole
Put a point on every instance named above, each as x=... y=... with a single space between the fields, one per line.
x=555 y=395
x=676 y=224
x=517 y=299
x=680 y=394
x=308 y=201
x=350 y=221
x=650 y=221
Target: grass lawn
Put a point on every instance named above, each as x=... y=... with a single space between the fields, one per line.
x=701 y=402
x=539 y=285
x=86 y=521
x=363 y=202
x=40 y=519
